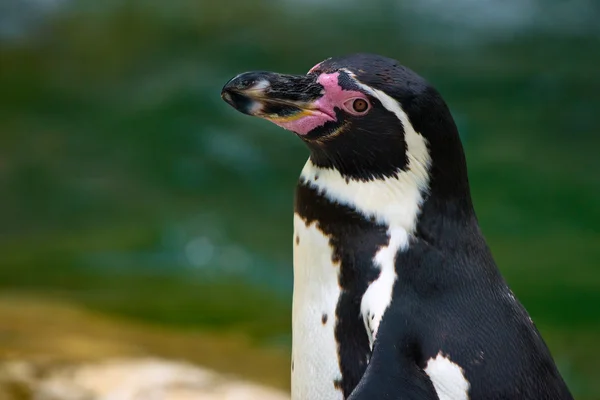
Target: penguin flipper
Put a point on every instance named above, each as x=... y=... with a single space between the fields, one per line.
x=392 y=375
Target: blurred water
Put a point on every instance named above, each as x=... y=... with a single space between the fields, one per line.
x=471 y=21
x=488 y=19
x=20 y=18
x=200 y=249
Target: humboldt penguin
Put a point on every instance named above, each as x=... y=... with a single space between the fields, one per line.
x=396 y=293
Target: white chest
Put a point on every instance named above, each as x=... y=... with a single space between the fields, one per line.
x=315 y=365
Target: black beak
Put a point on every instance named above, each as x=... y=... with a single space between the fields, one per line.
x=271 y=95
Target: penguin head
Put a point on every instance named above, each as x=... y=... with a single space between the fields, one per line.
x=364 y=115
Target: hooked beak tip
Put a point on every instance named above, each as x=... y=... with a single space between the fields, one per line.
x=276 y=97
x=226 y=96
x=244 y=91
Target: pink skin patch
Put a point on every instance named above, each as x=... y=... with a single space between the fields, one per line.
x=324 y=108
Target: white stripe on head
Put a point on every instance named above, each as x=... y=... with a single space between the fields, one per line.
x=394 y=201
x=417 y=152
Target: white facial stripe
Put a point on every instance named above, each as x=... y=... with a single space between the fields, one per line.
x=417 y=152
x=378 y=296
x=448 y=378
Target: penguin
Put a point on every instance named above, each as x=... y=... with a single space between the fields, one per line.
x=396 y=294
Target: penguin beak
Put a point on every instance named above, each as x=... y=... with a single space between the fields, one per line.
x=281 y=99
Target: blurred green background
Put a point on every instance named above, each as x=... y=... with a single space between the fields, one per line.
x=131 y=192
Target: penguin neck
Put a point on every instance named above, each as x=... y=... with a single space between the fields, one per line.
x=410 y=201
x=392 y=201
x=447 y=217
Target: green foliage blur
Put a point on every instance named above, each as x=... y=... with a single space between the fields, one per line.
x=128 y=186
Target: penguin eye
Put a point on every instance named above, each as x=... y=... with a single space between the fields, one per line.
x=357 y=106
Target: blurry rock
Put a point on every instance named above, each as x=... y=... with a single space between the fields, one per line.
x=125 y=379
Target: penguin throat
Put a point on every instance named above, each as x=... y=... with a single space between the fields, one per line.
x=394 y=201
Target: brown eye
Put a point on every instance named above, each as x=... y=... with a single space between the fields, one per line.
x=360 y=105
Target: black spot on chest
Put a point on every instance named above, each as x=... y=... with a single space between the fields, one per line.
x=355 y=240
